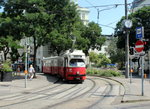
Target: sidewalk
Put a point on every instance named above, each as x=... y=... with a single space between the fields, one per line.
x=18 y=84
x=133 y=89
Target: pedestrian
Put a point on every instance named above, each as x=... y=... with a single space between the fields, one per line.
x=31 y=72
x=18 y=69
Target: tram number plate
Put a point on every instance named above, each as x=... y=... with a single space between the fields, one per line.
x=78 y=78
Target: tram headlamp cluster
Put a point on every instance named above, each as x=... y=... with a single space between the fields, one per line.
x=78 y=72
x=70 y=70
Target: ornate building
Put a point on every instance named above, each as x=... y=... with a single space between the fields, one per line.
x=83 y=12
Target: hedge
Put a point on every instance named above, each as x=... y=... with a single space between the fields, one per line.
x=104 y=72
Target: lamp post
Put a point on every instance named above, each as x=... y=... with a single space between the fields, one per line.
x=127 y=45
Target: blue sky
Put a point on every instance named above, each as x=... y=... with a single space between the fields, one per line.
x=107 y=17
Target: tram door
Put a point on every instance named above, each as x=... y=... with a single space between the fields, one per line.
x=65 y=66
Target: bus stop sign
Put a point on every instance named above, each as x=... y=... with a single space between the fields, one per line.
x=139 y=32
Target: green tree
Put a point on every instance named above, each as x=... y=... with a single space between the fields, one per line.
x=65 y=22
x=7 y=44
x=94 y=58
x=93 y=38
x=7 y=41
x=103 y=60
x=51 y=22
x=117 y=55
x=46 y=21
x=100 y=60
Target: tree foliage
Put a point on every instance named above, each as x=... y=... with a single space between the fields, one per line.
x=48 y=22
x=43 y=20
x=100 y=60
x=92 y=36
x=7 y=37
x=139 y=18
x=117 y=55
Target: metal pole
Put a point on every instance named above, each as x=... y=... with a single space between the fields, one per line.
x=142 y=74
x=127 y=44
x=127 y=54
x=131 y=68
x=26 y=70
x=149 y=62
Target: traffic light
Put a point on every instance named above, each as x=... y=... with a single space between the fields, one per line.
x=146 y=46
x=131 y=51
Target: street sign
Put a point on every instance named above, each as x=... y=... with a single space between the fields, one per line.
x=139 y=32
x=139 y=46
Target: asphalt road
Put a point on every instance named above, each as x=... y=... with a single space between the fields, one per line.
x=93 y=93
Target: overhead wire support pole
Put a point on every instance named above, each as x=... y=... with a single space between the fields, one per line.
x=26 y=59
x=127 y=44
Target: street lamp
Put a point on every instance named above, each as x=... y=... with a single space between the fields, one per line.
x=127 y=43
x=98 y=11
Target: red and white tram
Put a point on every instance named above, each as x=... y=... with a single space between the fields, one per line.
x=69 y=66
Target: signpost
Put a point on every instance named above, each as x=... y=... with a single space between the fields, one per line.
x=142 y=74
x=139 y=46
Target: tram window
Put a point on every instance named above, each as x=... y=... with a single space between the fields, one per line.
x=77 y=63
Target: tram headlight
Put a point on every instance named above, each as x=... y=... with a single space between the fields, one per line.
x=78 y=72
x=70 y=70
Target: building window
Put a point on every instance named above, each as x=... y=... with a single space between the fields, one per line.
x=83 y=16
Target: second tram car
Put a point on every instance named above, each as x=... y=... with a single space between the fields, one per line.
x=69 y=66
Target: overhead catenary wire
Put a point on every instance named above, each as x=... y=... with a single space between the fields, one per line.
x=105 y=7
x=101 y=6
x=90 y=4
x=107 y=26
x=113 y=22
x=132 y=3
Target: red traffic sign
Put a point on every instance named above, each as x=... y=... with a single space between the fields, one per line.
x=139 y=46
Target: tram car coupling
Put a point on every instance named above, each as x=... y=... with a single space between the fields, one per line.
x=69 y=66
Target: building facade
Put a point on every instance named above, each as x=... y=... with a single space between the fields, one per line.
x=84 y=15
x=137 y=4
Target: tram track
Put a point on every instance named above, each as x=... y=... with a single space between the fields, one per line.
x=73 y=90
x=106 y=93
x=28 y=97
x=68 y=100
x=59 y=94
